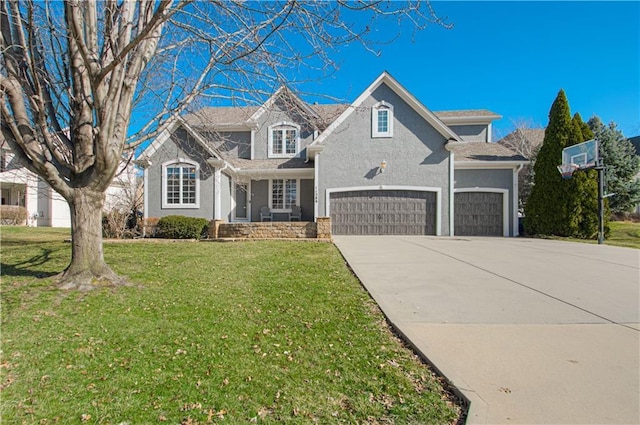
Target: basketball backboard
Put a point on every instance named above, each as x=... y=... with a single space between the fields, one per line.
x=584 y=155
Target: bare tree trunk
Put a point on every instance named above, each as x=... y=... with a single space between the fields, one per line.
x=87 y=269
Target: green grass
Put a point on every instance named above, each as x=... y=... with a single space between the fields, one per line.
x=266 y=332
x=624 y=233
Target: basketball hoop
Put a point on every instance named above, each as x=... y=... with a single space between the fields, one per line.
x=566 y=170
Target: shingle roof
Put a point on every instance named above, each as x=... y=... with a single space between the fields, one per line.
x=481 y=151
x=269 y=164
x=212 y=117
x=220 y=116
x=238 y=115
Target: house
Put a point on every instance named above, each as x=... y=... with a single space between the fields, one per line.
x=20 y=187
x=384 y=164
x=45 y=207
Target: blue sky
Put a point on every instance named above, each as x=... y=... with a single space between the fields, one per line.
x=511 y=58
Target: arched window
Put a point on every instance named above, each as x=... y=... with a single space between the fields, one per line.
x=284 y=140
x=180 y=184
x=382 y=120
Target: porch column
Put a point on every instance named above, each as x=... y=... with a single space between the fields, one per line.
x=217 y=198
x=452 y=183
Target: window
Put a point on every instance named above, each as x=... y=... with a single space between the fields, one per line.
x=180 y=184
x=382 y=120
x=284 y=194
x=283 y=140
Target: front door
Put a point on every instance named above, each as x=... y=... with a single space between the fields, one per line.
x=242 y=203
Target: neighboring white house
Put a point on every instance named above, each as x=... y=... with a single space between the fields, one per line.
x=45 y=207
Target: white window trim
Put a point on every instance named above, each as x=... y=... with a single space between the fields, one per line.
x=283 y=210
x=270 y=153
x=180 y=161
x=374 y=119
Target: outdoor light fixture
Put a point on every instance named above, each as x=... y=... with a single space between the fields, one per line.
x=383 y=165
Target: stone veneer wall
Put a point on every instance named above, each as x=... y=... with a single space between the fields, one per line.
x=218 y=229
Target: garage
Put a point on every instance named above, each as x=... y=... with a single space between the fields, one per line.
x=383 y=212
x=479 y=213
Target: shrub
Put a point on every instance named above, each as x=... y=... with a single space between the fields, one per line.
x=13 y=215
x=119 y=225
x=181 y=227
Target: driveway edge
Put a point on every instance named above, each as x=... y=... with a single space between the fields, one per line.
x=476 y=408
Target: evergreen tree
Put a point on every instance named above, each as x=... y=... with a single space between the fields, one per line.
x=621 y=166
x=582 y=191
x=546 y=208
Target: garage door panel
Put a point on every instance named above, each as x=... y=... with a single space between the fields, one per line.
x=479 y=214
x=383 y=212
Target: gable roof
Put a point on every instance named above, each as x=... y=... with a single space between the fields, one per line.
x=243 y=117
x=387 y=79
x=290 y=99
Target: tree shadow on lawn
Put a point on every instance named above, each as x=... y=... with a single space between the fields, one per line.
x=26 y=268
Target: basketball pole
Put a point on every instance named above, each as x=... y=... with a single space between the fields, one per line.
x=600 y=168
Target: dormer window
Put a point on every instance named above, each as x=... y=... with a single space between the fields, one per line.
x=284 y=140
x=382 y=120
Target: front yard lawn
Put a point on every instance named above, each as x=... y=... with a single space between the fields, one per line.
x=624 y=233
x=264 y=332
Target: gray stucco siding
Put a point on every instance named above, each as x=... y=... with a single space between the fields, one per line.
x=488 y=178
x=259 y=197
x=306 y=199
x=179 y=147
x=414 y=156
x=471 y=133
x=234 y=143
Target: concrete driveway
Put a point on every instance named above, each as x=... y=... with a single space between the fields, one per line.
x=531 y=331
